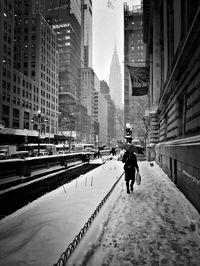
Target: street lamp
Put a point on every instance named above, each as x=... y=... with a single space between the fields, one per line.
x=40 y=119
x=128 y=136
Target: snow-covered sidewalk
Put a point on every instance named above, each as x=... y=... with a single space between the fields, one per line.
x=154 y=225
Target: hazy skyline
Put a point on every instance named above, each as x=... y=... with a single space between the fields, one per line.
x=108 y=29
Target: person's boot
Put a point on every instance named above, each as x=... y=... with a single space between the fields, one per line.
x=127 y=187
x=131 y=186
x=128 y=191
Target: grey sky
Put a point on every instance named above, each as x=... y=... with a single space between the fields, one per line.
x=107 y=28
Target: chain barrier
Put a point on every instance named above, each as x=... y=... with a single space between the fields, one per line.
x=66 y=254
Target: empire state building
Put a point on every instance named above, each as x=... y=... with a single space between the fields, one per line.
x=115 y=80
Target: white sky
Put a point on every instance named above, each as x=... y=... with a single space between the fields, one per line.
x=108 y=28
x=153 y=222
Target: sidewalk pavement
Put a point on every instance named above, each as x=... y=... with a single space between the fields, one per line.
x=154 y=225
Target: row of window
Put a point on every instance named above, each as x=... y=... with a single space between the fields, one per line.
x=19 y=30
x=28 y=105
x=8 y=4
x=137 y=23
x=7 y=27
x=138 y=48
x=18 y=38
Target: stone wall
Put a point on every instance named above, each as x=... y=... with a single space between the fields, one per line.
x=181 y=162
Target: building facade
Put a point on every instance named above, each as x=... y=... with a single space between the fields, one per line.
x=87 y=90
x=36 y=57
x=105 y=90
x=171 y=32
x=6 y=61
x=134 y=56
x=87 y=33
x=100 y=113
x=87 y=96
x=65 y=18
x=29 y=46
x=115 y=80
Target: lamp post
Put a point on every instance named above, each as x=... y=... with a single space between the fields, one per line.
x=128 y=136
x=40 y=119
x=68 y=123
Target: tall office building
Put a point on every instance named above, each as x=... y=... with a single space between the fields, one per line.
x=101 y=114
x=25 y=86
x=87 y=87
x=134 y=55
x=38 y=6
x=87 y=73
x=105 y=90
x=6 y=61
x=87 y=33
x=37 y=58
x=65 y=18
x=115 y=80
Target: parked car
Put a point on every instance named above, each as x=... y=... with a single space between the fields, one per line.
x=6 y=151
x=3 y=154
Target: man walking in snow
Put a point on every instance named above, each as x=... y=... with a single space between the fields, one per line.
x=130 y=164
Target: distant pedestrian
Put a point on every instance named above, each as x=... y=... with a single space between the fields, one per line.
x=130 y=164
x=97 y=153
x=113 y=151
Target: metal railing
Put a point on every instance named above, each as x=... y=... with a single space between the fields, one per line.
x=71 y=247
x=20 y=169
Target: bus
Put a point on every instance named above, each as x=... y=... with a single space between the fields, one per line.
x=33 y=148
x=83 y=147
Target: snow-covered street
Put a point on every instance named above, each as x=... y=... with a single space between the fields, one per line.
x=154 y=225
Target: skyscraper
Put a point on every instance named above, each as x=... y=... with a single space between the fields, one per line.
x=87 y=33
x=37 y=58
x=28 y=70
x=65 y=18
x=134 y=55
x=115 y=80
x=6 y=60
x=87 y=86
x=105 y=90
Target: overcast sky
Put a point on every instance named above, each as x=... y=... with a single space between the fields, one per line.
x=107 y=28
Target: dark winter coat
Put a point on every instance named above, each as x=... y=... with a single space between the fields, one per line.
x=130 y=164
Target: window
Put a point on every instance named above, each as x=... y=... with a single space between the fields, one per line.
x=4 y=72
x=15 y=118
x=5 y=110
x=26 y=120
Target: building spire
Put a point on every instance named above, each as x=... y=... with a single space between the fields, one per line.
x=115 y=79
x=115 y=48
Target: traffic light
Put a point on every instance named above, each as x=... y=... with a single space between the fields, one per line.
x=128 y=136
